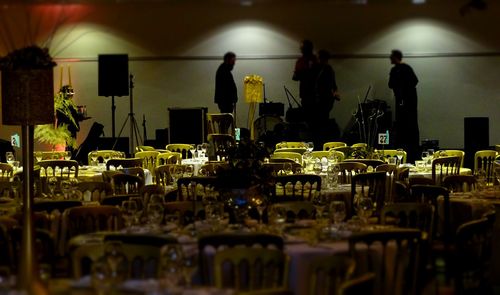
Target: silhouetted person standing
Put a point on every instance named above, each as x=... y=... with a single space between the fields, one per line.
x=226 y=94
x=325 y=86
x=305 y=74
x=403 y=82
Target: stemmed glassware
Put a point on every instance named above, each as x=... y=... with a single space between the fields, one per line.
x=337 y=211
x=319 y=202
x=189 y=266
x=399 y=155
x=52 y=184
x=364 y=208
x=176 y=173
x=317 y=167
x=67 y=155
x=129 y=211
x=310 y=146
x=155 y=214
x=193 y=151
x=117 y=261
x=93 y=159
x=65 y=188
x=171 y=265
x=189 y=170
x=9 y=157
x=38 y=156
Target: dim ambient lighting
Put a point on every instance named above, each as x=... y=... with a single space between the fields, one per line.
x=418 y=2
x=246 y=2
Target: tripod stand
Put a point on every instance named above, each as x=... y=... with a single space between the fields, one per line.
x=134 y=129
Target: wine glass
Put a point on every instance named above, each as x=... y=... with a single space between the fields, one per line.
x=171 y=264
x=399 y=155
x=155 y=214
x=365 y=208
x=425 y=157
x=189 y=266
x=338 y=211
x=319 y=203
x=317 y=167
x=51 y=184
x=309 y=146
x=204 y=148
x=101 y=276
x=93 y=158
x=38 y=156
x=260 y=204
x=65 y=188
x=287 y=168
x=189 y=170
x=67 y=155
x=129 y=211
x=277 y=217
x=192 y=149
x=199 y=151
x=9 y=157
x=117 y=261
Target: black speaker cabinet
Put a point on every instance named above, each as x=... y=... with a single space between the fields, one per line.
x=187 y=125
x=476 y=137
x=113 y=75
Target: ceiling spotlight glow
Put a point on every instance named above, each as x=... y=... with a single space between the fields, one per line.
x=418 y=2
x=246 y=2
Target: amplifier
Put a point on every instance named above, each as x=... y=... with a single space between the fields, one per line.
x=271 y=109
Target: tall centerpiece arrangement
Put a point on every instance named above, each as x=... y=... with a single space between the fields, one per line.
x=28 y=100
x=245 y=183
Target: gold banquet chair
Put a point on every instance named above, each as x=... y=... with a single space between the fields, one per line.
x=296 y=157
x=291 y=145
x=103 y=155
x=168 y=158
x=182 y=148
x=444 y=166
x=220 y=123
x=333 y=144
x=451 y=153
x=483 y=161
x=328 y=274
x=148 y=160
x=251 y=269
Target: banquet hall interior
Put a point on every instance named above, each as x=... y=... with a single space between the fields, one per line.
x=119 y=173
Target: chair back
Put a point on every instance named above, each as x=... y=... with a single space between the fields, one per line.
x=183 y=148
x=292 y=150
x=43 y=242
x=451 y=153
x=328 y=274
x=59 y=168
x=333 y=144
x=410 y=215
x=6 y=171
x=148 y=159
x=297 y=187
x=295 y=210
x=251 y=269
x=220 y=123
x=371 y=164
x=460 y=183
x=296 y=157
x=231 y=240
x=444 y=166
x=391 y=172
x=483 y=161
x=163 y=173
x=474 y=242
x=88 y=219
x=104 y=155
x=168 y=158
x=344 y=149
x=279 y=168
x=348 y=169
x=291 y=144
x=97 y=189
x=136 y=171
x=359 y=145
x=142 y=254
x=126 y=184
x=123 y=163
x=59 y=205
x=392 y=276
x=144 y=148
x=372 y=185
x=431 y=194
x=204 y=185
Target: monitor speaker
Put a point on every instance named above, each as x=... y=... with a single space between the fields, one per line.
x=113 y=75
x=187 y=125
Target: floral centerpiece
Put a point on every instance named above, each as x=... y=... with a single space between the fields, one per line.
x=245 y=182
x=28 y=88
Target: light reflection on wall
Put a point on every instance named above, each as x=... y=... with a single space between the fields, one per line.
x=248 y=37
x=421 y=36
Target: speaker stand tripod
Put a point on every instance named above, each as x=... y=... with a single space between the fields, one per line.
x=134 y=129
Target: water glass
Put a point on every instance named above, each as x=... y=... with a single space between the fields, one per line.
x=129 y=211
x=67 y=155
x=365 y=208
x=310 y=146
x=38 y=156
x=337 y=211
x=9 y=157
x=192 y=149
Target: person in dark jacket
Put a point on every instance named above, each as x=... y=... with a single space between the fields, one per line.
x=226 y=94
x=403 y=82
